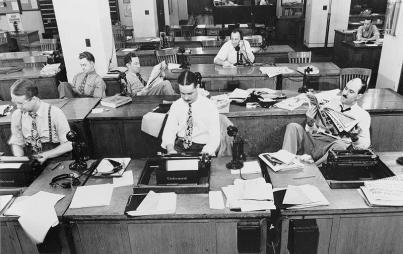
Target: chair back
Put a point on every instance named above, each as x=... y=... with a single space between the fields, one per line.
x=48 y=44
x=119 y=36
x=169 y=55
x=299 y=57
x=347 y=74
x=188 y=30
x=35 y=61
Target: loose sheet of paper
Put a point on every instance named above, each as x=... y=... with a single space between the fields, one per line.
x=125 y=180
x=182 y=165
x=10 y=165
x=92 y=195
x=37 y=214
x=156 y=203
x=216 y=200
x=249 y=167
x=4 y=199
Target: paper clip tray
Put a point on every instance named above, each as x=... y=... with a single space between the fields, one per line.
x=148 y=181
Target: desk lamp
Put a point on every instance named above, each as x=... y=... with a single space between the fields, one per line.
x=304 y=88
x=78 y=153
x=238 y=156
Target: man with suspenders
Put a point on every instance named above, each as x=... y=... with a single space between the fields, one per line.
x=37 y=128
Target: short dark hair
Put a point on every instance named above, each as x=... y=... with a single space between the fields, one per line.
x=24 y=87
x=87 y=55
x=187 y=78
x=237 y=31
x=128 y=57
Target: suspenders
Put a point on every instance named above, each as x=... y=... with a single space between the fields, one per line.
x=50 y=125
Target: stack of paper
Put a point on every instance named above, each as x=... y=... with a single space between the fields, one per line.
x=274 y=71
x=249 y=167
x=50 y=69
x=92 y=195
x=156 y=203
x=281 y=160
x=239 y=94
x=383 y=193
x=304 y=196
x=249 y=195
x=292 y=103
x=37 y=213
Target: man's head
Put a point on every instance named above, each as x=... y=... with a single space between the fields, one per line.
x=367 y=23
x=24 y=93
x=132 y=62
x=87 y=61
x=352 y=91
x=188 y=86
x=236 y=37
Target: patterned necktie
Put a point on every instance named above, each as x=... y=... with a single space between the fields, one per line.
x=141 y=79
x=187 y=142
x=36 y=139
x=82 y=85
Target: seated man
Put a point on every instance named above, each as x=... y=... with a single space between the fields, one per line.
x=227 y=56
x=193 y=124
x=37 y=128
x=138 y=86
x=368 y=31
x=85 y=84
x=315 y=141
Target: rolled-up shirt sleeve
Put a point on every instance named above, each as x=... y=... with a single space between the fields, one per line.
x=61 y=124
x=16 y=132
x=222 y=53
x=214 y=131
x=100 y=88
x=171 y=128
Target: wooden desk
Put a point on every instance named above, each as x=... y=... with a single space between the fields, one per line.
x=350 y=54
x=262 y=128
x=16 y=58
x=46 y=85
x=75 y=109
x=347 y=225
x=200 y=55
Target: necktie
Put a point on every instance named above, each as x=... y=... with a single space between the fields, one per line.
x=344 y=110
x=36 y=139
x=187 y=143
x=141 y=79
x=82 y=85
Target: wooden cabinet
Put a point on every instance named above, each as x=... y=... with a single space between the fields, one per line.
x=13 y=238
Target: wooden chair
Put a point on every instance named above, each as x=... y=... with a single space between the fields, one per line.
x=48 y=44
x=169 y=55
x=299 y=57
x=35 y=61
x=347 y=74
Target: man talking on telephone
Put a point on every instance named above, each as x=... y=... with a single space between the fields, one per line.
x=234 y=50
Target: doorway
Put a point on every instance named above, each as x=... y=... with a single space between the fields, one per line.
x=161 y=15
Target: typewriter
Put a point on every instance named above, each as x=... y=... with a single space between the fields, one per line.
x=347 y=169
x=18 y=171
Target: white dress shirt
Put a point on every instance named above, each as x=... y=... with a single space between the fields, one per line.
x=228 y=53
x=21 y=125
x=206 y=125
x=364 y=123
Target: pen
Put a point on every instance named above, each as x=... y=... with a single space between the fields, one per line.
x=55 y=166
x=303 y=177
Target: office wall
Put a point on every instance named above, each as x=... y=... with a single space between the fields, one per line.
x=125 y=13
x=31 y=21
x=391 y=58
x=76 y=24
x=144 y=25
x=178 y=11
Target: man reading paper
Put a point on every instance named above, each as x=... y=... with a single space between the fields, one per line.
x=316 y=139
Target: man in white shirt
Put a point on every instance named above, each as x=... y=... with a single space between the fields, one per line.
x=37 y=128
x=193 y=122
x=368 y=31
x=227 y=56
x=315 y=140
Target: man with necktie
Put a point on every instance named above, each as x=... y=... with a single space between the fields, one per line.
x=193 y=121
x=316 y=139
x=37 y=129
x=137 y=86
x=86 y=83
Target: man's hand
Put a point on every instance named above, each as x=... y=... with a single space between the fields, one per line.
x=206 y=151
x=41 y=158
x=227 y=64
x=171 y=149
x=354 y=133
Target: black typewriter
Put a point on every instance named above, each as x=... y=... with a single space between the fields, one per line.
x=347 y=169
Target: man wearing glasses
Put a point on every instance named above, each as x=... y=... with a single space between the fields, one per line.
x=38 y=129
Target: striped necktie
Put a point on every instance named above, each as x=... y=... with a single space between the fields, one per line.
x=82 y=85
x=141 y=79
x=36 y=139
x=187 y=142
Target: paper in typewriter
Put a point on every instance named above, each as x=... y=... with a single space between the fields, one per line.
x=328 y=116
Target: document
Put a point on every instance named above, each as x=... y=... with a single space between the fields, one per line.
x=304 y=196
x=172 y=66
x=92 y=195
x=182 y=165
x=105 y=165
x=156 y=203
x=216 y=200
x=37 y=214
x=4 y=199
x=125 y=180
x=274 y=71
x=249 y=167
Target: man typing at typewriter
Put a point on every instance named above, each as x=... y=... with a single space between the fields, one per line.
x=37 y=128
x=193 y=124
x=316 y=139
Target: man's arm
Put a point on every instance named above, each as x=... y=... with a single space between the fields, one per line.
x=55 y=152
x=363 y=139
x=16 y=140
x=100 y=88
x=17 y=150
x=214 y=132
x=170 y=131
x=359 y=33
x=246 y=50
x=222 y=56
x=375 y=33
